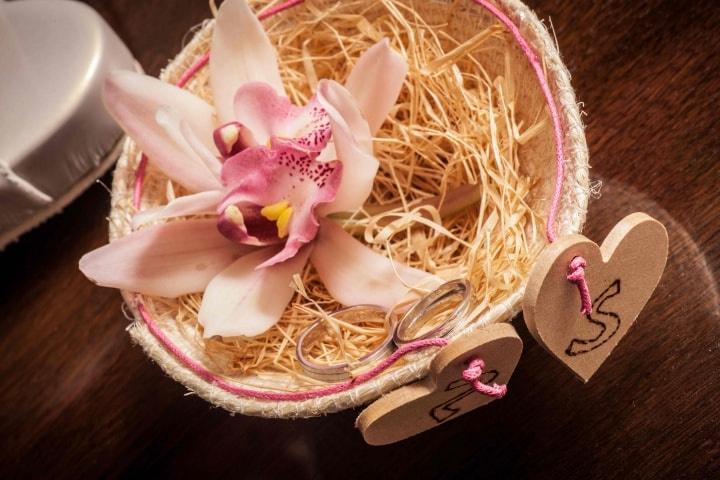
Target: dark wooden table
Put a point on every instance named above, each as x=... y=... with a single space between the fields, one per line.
x=78 y=400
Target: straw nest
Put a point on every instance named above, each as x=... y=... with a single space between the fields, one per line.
x=467 y=171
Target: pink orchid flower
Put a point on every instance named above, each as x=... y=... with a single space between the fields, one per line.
x=268 y=171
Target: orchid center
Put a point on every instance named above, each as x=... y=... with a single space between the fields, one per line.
x=280 y=213
x=274 y=170
x=253 y=224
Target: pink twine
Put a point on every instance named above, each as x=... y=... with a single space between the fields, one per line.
x=278 y=8
x=194 y=68
x=554 y=115
x=472 y=375
x=474 y=370
x=210 y=377
x=576 y=274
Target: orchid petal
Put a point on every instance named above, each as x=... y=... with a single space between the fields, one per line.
x=356 y=275
x=178 y=130
x=133 y=100
x=376 y=81
x=165 y=260
x=241 y=53
x=253 y=168
x=353 y=144
x=261 y=176
x=270 y=116
x=197 y=203
x=245 y=300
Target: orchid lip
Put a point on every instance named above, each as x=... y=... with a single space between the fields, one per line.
x=275 y=192
x=313 y=140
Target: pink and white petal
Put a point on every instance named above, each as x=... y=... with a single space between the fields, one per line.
x=133 y=100
x=356 y=275
x=131 y=93
x=178 y=130
x=165 y=260
x=244 y=300
x=250 y=172
x=241 y=52
x=195 y=204
x=353 y=144
x=375 y=82
x=343 y=109
x=267 y=115
x=328 y=154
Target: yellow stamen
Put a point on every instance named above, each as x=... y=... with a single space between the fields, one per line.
x=283 y=222
x=280 y=213
x=233 y=214
x=274 y=211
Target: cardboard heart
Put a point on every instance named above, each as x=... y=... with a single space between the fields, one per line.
x=621 y=274
x=444 y=394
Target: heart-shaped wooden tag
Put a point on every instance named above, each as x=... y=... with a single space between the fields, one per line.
x=621 y=275
x=444 y=394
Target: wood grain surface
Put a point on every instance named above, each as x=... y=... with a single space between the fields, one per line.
x=78 y=400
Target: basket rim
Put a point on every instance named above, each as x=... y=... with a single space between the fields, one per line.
x=572 y=211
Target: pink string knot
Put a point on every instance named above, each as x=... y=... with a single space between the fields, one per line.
x=576 y=274
x=472 y=375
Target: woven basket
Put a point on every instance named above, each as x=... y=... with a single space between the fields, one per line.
x=538 y=160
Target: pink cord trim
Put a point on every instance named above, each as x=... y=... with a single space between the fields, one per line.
x=576 y=274
x=210 y=377
x=474 y=370
x=554 y=115
x=194 y=68
x=278 y=8
x=472 y=375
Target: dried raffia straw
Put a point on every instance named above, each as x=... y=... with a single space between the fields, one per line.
x=439 y=139
x=466 y=172
x=453 y=127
